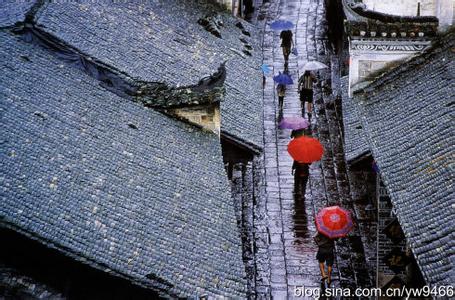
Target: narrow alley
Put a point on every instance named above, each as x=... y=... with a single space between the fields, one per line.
x=156 y=149
x=290 y=219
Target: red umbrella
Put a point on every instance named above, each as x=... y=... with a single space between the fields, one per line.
x=334 y=222
x=305 y=149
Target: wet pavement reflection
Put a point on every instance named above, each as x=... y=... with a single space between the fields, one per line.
x=291 y=227
x=291 y=250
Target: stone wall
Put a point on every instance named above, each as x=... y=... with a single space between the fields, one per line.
x=362 y=183
x=385 y=244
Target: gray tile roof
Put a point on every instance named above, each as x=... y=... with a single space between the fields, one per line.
x=161 y=42
x=13 y=11
x=111 y=183
x=408 y=115
x=355 y=141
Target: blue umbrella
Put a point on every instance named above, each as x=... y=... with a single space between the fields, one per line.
x=282 y=25
x=283 y=79
x=265 y=69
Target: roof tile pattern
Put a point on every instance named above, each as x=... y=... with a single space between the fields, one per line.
x=104 y=180
x=13 y=11
x=162 y=42
x=355 y=141
x=408 y=115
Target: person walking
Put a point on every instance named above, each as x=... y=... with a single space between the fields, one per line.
x=281 y=91
x=286 y=43
x=305 y=88
x=325 y=254
x=301 y=172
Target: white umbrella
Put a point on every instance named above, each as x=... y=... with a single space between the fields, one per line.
x=313 y=66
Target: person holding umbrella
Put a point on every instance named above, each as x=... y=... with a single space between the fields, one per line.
x=265 y=72
x=304 y=150
x=281 y=92
x=286 y=43
x=301 y=172
x=285 y=36
x=306 y=84
x=325 y=254
x=331 y=222
x=282 y=79
x=305 y=89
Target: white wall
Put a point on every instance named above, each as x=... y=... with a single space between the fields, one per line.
x=227 y=3
x=445 y=11
x=367 y=57
x=358 y=62
x=442 y=9
x=402 y=7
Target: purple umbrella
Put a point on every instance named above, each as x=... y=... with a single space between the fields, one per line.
x=294 y=123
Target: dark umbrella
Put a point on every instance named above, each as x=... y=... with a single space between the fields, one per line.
x=334 y=222
x=282 y=25
x=283 y=79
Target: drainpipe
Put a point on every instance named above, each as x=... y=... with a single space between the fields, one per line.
x=240 y=9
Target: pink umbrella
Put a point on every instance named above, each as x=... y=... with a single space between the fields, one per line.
x=334 y=222
x=294 y=123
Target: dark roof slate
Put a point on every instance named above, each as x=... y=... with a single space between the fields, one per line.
x=103 y=180
x=162 y=42
x=408 y=116
x=355 y=141
x=13 y=11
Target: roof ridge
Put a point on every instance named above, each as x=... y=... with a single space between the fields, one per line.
x=440 y=44
x=209 y=89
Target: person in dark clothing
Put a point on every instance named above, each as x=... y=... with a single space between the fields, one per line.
x=281 y=91
x=305 y=88
x=301 y=172
x=297 y=132
x=325 y=254
x=248 y=7
x=286 y=43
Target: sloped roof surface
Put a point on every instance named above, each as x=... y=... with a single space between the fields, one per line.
x=13 y=11
x=111 y=183
x=161 y=42
x=355 y=141
x=408 y=115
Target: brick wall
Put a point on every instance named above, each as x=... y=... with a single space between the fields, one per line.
x=207 y=116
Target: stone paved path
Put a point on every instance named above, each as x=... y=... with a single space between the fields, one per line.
x=290 y=220
x=284 y=225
